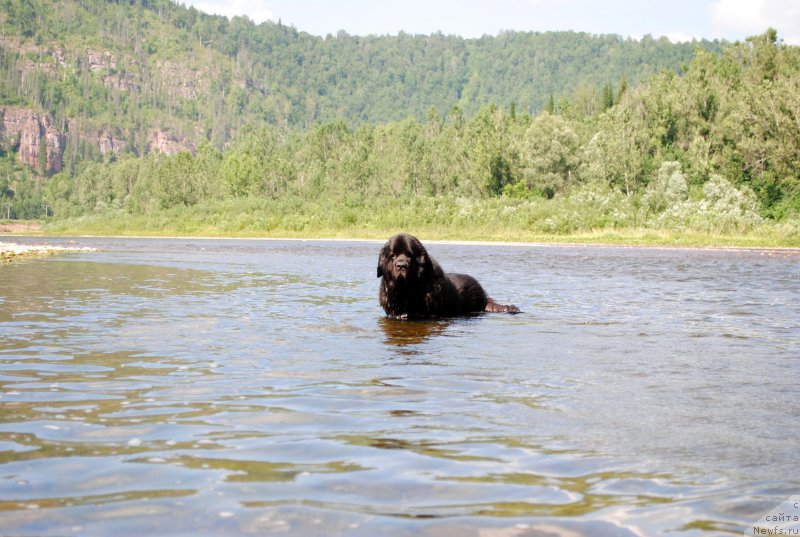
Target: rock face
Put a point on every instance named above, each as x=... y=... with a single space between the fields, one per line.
x=163 y=142
x=27 y=132
x=106 y=140
x=30 y=132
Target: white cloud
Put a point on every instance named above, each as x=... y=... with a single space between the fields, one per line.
x=256 y=10
x=737 y=15
x=679 y=37
x=751 y=17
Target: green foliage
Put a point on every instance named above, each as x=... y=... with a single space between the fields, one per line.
x=149 y=65
x=655 y=160
x=20 y=191
x=287 y=131
x=668 y=189
x=550 y=150
x=723 y=209
x=244 y=166
x=734 y=115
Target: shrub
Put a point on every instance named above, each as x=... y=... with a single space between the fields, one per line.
x=723 y=209
x=668 y=189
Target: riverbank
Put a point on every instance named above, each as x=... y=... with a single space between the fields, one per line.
x=770 y=238
x=258 y=222
x=24 y=226
x=499 y=219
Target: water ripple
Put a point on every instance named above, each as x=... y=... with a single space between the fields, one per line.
x=252 y=387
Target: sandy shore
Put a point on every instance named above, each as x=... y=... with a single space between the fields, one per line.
x=7 y=249
x=11 y=250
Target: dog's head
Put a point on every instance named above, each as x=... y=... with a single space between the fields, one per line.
x=403 y=259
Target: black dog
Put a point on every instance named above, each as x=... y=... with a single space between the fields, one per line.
x=414 y=286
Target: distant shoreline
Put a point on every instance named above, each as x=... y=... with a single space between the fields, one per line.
x=19 y=227
x=577 y=241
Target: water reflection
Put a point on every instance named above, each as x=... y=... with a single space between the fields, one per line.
x=402 y=333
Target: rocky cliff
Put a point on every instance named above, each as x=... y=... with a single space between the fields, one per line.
x=29 y=132
x=26 y=132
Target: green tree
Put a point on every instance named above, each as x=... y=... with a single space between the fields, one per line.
x=550 y=154
x=491 y=156
x=667 y=190
x=42 y=156
x=244 y=166
x=608 y=97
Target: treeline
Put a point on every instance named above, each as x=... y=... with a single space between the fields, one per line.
x=20 y=191
x=155 y=63
x=717 y=147
x=117 y=78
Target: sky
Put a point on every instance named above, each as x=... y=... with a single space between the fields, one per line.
x=679 y=20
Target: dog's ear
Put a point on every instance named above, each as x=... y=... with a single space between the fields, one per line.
x=382 y=258
x=424 y=263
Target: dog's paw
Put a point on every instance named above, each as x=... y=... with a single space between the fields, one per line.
x=494 y=307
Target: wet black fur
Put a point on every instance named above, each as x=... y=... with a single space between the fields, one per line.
x=414 y=286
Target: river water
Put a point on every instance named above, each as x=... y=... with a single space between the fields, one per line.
x=237 y=387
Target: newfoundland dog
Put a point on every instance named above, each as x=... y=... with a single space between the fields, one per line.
x=414 y=286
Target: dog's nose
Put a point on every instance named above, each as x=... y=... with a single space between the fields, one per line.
x=401 y=264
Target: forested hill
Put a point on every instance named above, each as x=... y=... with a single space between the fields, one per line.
x=97 y=79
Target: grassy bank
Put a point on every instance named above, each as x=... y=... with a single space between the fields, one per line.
x=498 y=219
x=20 y=226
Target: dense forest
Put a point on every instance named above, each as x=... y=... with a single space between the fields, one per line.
x=714 y=149
x=93 y=81
x=132 y=63
x=550 y=133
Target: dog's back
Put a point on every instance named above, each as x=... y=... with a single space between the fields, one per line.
x=465 y=294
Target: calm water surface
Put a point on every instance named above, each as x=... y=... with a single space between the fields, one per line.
x=186 y=387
